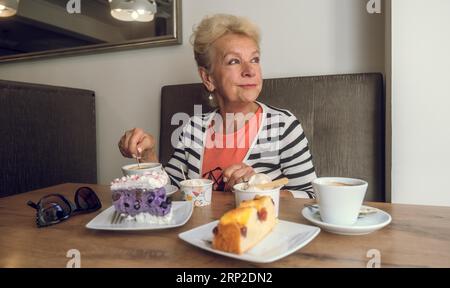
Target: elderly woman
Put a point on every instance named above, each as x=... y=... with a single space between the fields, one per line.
x=242 y=137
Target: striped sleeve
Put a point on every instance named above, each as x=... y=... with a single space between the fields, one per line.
x=295 y=158
x=178 y=161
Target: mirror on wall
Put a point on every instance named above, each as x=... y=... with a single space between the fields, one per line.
x=43 y=28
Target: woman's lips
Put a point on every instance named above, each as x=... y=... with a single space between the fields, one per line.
x=248 y=86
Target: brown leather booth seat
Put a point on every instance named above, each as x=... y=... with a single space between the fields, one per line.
x=343 y=117
x=48 y=136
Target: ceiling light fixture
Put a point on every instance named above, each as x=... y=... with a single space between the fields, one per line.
x=8 y=8
x=133 y=10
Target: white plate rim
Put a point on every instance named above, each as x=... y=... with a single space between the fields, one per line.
x=346 y=229
x=91 y=225
x=313 y=230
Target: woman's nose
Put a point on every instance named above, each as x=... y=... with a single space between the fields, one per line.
x=248 y=70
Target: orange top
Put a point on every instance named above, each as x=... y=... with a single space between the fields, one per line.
x=224 y=150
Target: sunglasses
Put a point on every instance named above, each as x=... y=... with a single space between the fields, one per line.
x=55 y=208
x=218 y=184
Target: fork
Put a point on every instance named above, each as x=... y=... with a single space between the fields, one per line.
x=207 y=241
x=116 y=219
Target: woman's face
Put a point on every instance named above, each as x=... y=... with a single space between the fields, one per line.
x=235 y=74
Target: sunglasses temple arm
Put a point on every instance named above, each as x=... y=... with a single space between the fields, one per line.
x=32 y=205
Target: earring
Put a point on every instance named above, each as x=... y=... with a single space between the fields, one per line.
x=210 y=97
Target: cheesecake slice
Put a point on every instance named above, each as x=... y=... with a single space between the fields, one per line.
x=242 y=228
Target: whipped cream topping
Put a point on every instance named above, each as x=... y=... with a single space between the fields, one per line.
x=148 y=218
x=149 y=180
x=194 y=182
x=256 y=179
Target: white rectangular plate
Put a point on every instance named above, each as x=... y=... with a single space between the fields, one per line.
x=182 y=211
x=286 y=238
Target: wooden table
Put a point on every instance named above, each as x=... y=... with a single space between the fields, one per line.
x=417 y=236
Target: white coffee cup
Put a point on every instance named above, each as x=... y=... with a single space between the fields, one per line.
x=134 y=169
x=339 y=199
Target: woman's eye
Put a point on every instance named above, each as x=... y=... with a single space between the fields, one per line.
x=233 y=61
x=255 y=60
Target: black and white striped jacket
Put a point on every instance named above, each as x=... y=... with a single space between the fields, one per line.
x=279 y=150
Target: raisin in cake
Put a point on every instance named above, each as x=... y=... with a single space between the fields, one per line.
x=142 y=198
x=242 y=228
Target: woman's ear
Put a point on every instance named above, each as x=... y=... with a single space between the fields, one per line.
x=206 y=79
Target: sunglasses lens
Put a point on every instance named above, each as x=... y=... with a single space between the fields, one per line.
x=53 y=209
x=86 y=199
x=221 y=186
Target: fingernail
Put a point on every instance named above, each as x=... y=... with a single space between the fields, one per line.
x=139 y=149
x=133 y=155
x=225 y=179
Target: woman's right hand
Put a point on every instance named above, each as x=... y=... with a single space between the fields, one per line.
x=137 y=143
x=237 y=173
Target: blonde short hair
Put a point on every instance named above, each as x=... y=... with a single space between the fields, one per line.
x=212 y=28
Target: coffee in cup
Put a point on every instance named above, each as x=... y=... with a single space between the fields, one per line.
x=139 y=167
x=134 y=169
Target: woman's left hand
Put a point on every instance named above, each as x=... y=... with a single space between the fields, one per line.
x=237 y=173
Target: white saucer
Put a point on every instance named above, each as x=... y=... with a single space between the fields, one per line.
x=364 y=225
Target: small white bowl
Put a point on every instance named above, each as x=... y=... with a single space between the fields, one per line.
x=132 y=169
x=199 y=194
x=240 y=194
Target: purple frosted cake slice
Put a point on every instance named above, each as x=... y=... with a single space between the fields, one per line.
x=143 y=198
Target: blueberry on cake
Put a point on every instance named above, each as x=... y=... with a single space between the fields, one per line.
x=142 y=198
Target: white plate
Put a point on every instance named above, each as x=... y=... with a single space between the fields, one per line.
x=286 y=238
x=364 y=225
x=170 y=189
x=182 y=211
